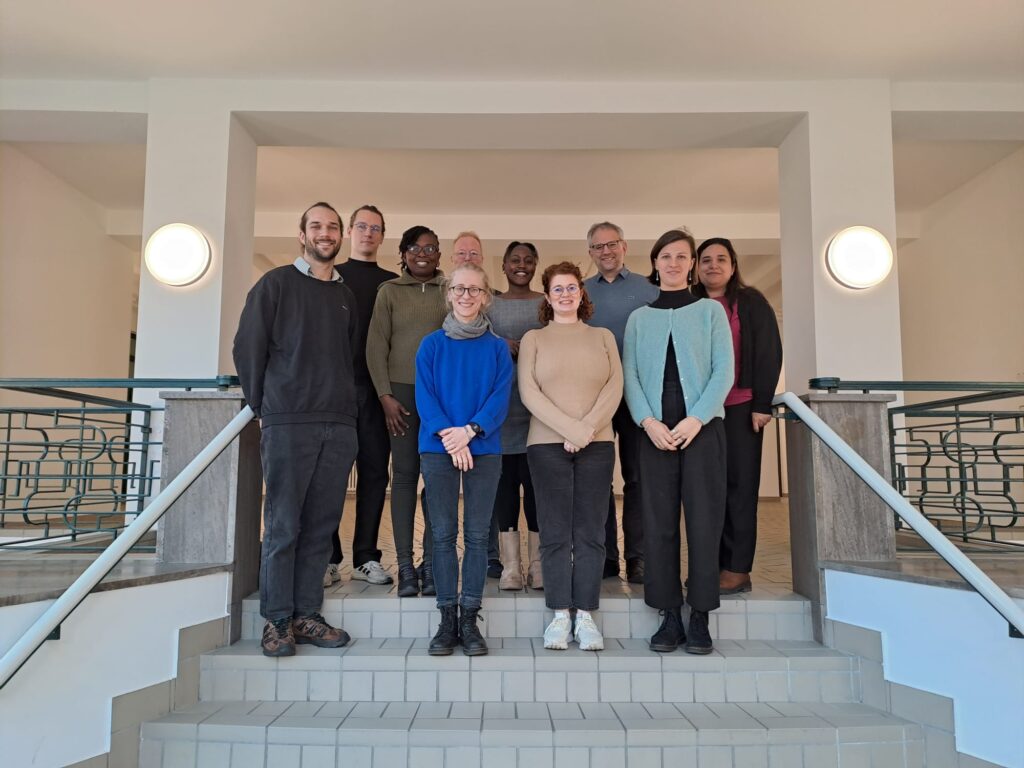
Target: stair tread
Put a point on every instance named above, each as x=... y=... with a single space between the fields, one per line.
x=560 y=724
x=520 y=652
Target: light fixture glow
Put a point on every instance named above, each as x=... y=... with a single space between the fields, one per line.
x=859 y=257
x=177 y=254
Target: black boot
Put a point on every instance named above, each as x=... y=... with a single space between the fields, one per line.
x=670 y=634
x=473 y=643
x=447 y=636
x=408 y=581
x=699 y=641
x=427 y=579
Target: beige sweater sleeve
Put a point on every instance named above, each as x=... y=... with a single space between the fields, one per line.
x=577 y=432
x=611 y=394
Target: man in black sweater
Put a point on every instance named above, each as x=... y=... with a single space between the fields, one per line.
x=293 y=353
x=363 y=276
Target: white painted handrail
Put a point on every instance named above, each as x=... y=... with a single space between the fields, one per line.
x=20 y=652
x=962 y=564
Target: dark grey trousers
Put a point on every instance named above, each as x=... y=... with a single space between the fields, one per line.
x=572 y=502
x=305 y=467
x=405 y=478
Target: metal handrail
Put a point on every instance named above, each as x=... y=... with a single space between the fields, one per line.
x=834 y=384
x=957 y=560
x=52 y=618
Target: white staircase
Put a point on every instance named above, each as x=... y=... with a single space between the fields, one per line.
x=767 y=696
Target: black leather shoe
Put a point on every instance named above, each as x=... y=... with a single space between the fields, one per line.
x=473 y=643
x=446 y=638
x=408 y=581
x=635 y=570
x=427 y=580
x=494 y=569
x=699 y=638
x=670 y=634
x=611 y=569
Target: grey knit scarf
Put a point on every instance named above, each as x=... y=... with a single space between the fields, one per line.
x=456 y=329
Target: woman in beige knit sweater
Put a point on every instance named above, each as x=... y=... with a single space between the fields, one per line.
x=570 y=379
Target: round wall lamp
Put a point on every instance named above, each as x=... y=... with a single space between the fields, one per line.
x=859 y=257
x=177 y=254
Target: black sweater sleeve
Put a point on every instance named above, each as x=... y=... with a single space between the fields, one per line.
x=252 y=342
x=763 y=348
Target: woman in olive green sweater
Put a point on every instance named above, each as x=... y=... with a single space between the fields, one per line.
x=407 y=309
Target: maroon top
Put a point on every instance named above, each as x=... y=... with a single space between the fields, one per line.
x=737 y=394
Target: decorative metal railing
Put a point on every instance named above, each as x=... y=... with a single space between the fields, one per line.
x=959 y=460
x=77 y=458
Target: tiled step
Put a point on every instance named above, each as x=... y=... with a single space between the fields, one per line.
x=366 y=611
x=521 y=670
x=477 y=735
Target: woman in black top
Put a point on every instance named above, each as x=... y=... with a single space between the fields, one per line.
x=748 y=406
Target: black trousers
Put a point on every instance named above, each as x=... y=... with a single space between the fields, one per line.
x=570 y=504
x=515 y=474
x=405 y=470
x=629 y=435
x=694 y=478
x=371 y=480
x=743 y=476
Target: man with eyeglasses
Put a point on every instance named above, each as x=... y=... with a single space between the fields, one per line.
x=615 y=293
x=363 y=276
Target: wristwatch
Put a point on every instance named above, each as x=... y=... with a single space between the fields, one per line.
x=477 y=429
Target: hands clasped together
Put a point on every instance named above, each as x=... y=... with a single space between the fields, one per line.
x=456 y=442
x=674 y=438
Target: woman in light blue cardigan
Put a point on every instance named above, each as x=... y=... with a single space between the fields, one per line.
x=677 y=368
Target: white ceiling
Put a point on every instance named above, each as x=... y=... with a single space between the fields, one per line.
x=519 y=181
x=526 y=40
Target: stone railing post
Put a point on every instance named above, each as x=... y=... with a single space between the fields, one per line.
x=217 y=520
x=833 y=514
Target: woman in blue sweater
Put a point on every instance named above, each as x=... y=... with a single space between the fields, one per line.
x=678 y=367
x=463 y=382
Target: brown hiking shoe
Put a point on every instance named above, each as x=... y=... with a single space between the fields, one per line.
x=278 y=639
x=313 y=629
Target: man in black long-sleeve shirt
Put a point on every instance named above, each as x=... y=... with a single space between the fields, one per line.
x=363 y=276
x=293 y=353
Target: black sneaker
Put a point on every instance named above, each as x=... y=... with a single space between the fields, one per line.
x=494 y=569
x=473 y=643
x=670 y=634
x=408 y=581
x=635 y=570
x=699 y=638
x=447 y=637
x=611 y=569
x=427 y=580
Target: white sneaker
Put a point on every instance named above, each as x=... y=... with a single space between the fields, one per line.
x=587 y=634
x=331 y=575
x=373 y=572
x=556 y=636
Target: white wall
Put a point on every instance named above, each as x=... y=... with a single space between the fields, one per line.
x=962 y=282
x=949 y=642
x=65 y=286
x=56 y=709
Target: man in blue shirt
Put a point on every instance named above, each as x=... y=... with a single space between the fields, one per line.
x=615 y=293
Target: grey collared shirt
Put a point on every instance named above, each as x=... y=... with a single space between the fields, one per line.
x=614 y=302
x=303 y=266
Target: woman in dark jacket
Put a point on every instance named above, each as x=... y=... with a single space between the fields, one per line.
x=748 y=406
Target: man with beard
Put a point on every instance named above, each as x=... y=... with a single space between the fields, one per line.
x=363 y=276
x=293 y=354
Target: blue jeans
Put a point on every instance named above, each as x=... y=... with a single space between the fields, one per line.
x=479 y=486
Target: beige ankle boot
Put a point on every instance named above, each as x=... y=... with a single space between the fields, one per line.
x=535 y=577
x=511 y=566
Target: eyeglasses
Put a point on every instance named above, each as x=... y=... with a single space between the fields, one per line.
x=472 y=290
x=363 y=227
x=611 y=245
x=568 y=290
x=427 y=250
x=467 y=255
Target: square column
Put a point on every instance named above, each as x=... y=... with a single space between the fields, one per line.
x=200 y=170
x=835 y=171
